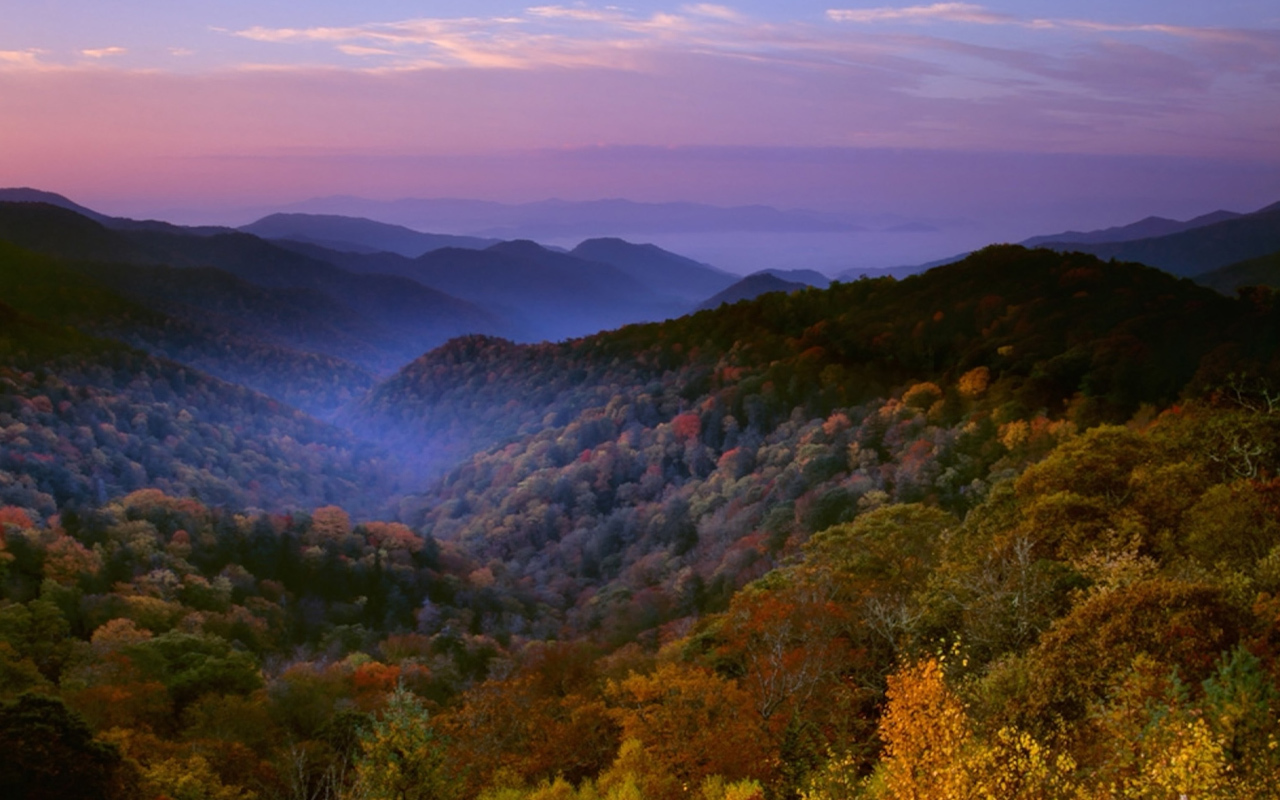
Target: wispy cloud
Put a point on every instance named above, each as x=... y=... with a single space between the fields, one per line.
x=714 y=11
x=361 y=50
x=944 y=12
x=548 y=35
x=580 y=14
x=611 y=37
x=20 y=58
x=973 y=14
x=922 y=72
x=104 y=52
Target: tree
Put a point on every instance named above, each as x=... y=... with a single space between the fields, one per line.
x=401 y=755
x=49 y=753
x=925 y=730
x=691 y=724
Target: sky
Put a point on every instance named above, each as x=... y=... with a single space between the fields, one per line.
x=984 y=119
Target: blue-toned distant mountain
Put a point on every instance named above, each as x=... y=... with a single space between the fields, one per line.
x=750 y=288
x=358 y=235
x=898 y=272
x=545 y=294
x=1185 y=256
x=1197 y=250
x=661 y=271
x=1142 y=229
x=377 y=309
x=555 y=295
x=550 y=219
x=809 y=277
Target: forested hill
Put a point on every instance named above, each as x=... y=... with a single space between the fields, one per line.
x=382 y=321
x=865 y=543
x=212 y=342
x=84 y=419
x=629 y=463
x=1052 y=328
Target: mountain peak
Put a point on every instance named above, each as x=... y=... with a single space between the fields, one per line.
x=25 y=194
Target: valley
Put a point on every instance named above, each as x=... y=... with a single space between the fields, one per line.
x=285 y=505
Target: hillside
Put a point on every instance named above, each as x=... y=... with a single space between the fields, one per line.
x=377 y=321
x=628 y=431
x=60 y=293
x=87 y=419
x=1035 y=313
x=1261 y=271
x=866 y=541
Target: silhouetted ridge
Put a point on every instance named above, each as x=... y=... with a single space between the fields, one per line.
x=752 y=287
x=1196 y=251
x=661 y=271
x=356 y=234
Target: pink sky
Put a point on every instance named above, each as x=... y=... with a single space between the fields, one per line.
x=139 y=107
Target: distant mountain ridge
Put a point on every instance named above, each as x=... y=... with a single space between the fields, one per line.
x=546 y=294
x=357 y=234
x=808 y=277
x=523 y=290
x=562 y=218
x=662 y=271
x=29 y=195
x=751 y=287
x=1146 y=228
x=1196 y=250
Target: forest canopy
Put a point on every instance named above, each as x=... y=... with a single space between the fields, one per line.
x=1007 y=529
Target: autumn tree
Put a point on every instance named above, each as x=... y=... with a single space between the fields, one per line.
x=691 y=723
x=401 y=755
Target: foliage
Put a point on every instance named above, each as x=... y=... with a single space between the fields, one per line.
x=713 y=556
x=401 y=756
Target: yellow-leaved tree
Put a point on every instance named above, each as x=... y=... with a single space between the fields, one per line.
x=401 y=756
x=932 y=752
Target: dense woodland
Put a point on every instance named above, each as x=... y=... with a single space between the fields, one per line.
x=1008 y=529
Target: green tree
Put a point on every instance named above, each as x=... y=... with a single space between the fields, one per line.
x=401 y=755
x=49 y=752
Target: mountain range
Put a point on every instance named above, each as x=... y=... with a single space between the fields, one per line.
x=551 y=219
x=1205 y=244
x=375 y=309
x=1191 y=248
x=1007 y=527
x=357 y=235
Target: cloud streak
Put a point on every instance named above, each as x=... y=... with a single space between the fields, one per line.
x=973 y=14
x=951 y=76
x=938 y=12
x=104 y=52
